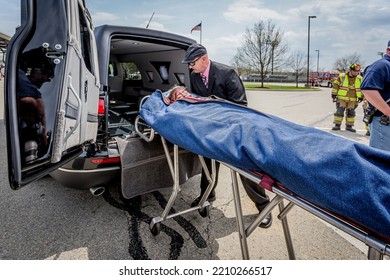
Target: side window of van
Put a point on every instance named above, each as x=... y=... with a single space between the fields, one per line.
x=85 y=37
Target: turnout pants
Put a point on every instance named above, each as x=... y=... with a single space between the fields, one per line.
x=347 y=108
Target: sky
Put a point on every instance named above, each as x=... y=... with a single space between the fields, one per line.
x=340 y=28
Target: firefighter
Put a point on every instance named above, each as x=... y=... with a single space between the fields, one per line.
x=347 y=94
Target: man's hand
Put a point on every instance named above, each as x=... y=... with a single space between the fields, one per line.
x=334 y=97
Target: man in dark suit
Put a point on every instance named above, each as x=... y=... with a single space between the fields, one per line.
x=213 y=78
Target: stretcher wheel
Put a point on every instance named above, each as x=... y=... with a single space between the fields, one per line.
x=155 y=229
x=205 y=211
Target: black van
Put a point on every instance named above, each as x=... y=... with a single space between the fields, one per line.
x=73 y=94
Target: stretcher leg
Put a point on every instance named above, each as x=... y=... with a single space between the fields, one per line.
x=174 y=168
x=240 y=222
x=173 y=165
x=374 y=254
x=211 y=179
x=245 y=233
x=286 y=229
x=261 y=216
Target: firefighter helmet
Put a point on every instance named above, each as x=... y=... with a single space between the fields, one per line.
x=355 y=67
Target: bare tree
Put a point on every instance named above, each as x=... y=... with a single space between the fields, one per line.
x=297 y=62
x=237 y=63
x=262 y=49
x=342 y=64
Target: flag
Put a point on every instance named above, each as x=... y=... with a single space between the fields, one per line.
x=197 y=27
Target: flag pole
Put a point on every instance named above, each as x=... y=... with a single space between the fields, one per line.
x=200 y=33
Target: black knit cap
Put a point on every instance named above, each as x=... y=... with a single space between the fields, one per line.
x=193 y=52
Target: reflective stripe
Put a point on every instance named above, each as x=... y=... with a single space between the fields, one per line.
x=337 y=120
x=336 y=82
x=346 y=98
x=343 y=89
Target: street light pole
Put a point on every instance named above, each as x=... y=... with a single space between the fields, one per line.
x=308 y=49
x=318 y=61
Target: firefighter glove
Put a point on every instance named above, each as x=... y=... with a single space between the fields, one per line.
x=360 y=99
x=334 y=97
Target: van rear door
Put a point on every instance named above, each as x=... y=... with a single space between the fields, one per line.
x=51 y=88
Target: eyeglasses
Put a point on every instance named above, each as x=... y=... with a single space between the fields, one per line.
x=192 y=63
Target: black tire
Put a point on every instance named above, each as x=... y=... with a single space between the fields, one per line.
x=155 y=229
x=204 y=212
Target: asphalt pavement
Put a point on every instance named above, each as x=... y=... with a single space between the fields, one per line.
x=45 y=220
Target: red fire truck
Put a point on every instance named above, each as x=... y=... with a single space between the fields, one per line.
x=326 y=78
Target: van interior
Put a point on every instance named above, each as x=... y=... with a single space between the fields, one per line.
x=136 y=69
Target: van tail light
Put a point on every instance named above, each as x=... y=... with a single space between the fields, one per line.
x=98 y=161
x=101 y=107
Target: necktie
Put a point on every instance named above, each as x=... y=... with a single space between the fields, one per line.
x=204 y=79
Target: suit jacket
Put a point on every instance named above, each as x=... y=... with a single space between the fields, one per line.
x=223 y=82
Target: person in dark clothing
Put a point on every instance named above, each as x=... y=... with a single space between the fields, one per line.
x=213 y=78
x=376 y=89
x=35 y=69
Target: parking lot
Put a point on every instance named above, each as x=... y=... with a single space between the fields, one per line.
x=44 y=220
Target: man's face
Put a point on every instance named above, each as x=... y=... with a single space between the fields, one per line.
x=388 y=51
x=353 y=73
x=199 y=64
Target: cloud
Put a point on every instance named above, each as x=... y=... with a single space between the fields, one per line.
x=154 y=25
x=104 y=17
x=248 y=10
x=223 y=54
x=156 y=16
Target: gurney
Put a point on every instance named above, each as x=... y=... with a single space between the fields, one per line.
x=173 y=159
x=356 y=202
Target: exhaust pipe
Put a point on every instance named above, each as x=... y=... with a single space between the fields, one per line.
x=97 y=191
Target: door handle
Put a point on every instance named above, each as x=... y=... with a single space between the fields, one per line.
x=79 y=108
x=86 y=90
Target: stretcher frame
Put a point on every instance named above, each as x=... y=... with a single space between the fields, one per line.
x=173 y=164
x=203 y=205
x=376 y=247
x=148 y=134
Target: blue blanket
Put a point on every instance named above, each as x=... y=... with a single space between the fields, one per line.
x=337 y=174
